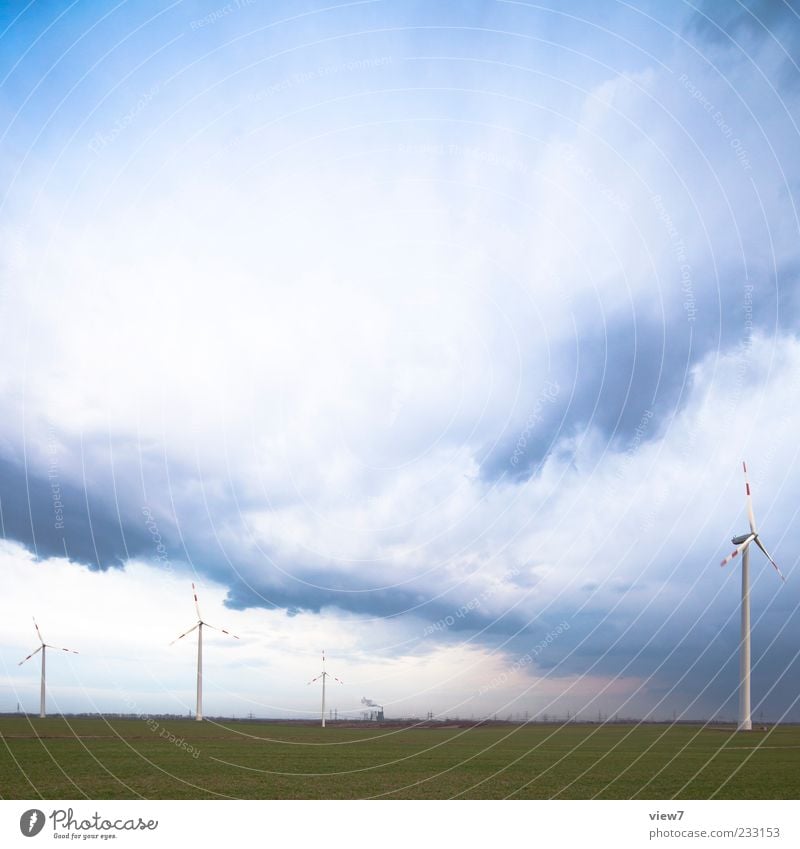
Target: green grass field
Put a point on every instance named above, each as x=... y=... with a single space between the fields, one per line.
x=98 y=759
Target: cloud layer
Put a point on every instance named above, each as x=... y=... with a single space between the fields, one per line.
x=442 y=327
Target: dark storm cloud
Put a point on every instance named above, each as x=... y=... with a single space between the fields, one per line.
x=315 y=589
x=56 y=517
x=119 y=505
x=610 y=378
x=627 y=377
x=169 y=516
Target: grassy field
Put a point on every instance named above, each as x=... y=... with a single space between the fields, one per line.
x=159 y=759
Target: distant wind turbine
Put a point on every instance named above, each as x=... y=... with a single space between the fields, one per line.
x=742 y=543
x=43 y=649
x=324 y=675
x=199 y=628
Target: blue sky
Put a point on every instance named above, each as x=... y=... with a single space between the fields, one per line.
x=429 y=334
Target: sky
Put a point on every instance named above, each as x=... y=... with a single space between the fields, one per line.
x=432 y=335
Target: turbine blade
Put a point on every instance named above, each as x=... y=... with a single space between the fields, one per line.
x=336 y=679
x=738 y=550
x=31 y=655
x=38 y=632
x=767 y=555
x=59 y=648
x=185 y=633
x=196 y=603
x=313 y=680
x=750 y=515
x=214 y=628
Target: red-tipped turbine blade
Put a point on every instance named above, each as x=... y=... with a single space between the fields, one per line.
x=336 y=679
x=38 y=632
x=214 y=628
x=750 y=515
x=185 y=633
x=196 y=603
x=59 y=648
x=767 y=554
x=737 y=551
x=30 y=655
x=313 y=680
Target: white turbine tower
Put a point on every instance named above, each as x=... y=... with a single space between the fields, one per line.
x=324 y=675
x=742 y=543
x=43 y=649
x=199 y=625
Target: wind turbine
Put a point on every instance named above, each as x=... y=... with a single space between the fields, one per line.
x=324 y=675
x=742 y=543
x=43 y=649
x=198 y=626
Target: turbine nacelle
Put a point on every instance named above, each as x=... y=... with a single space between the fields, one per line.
x=742 y=538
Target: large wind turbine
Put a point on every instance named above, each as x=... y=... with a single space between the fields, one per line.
x=199 y=625
x=742 y=543
x=324 y=675
x=43 y=649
